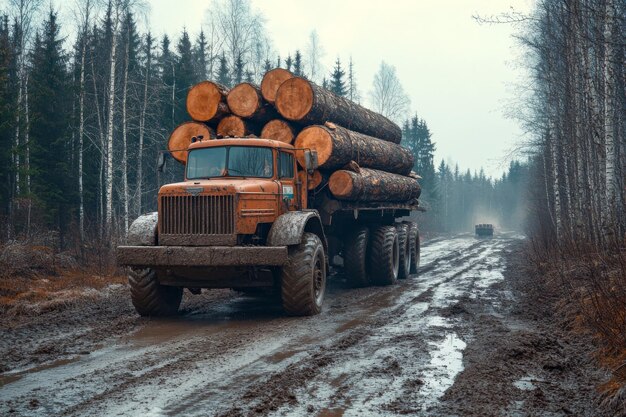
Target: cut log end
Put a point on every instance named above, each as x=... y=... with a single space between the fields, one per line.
x=316 y=138
x=294 y=98
x=203 y=101
x=314 y=180
x=180 y=139
x=272 y=81
x=278 y=130
x=232 y=126
x=243 y=100
x=341 y=184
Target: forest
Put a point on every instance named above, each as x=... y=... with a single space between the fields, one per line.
x=84 y=118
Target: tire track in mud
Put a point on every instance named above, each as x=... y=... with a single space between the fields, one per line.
x=217 y=362
x=281 y=389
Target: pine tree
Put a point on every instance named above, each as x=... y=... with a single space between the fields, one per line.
x=337 y=82
x=223 y=73
x=298 y=69
x=238 y=70
x=200 y=59
x=249 y=76
x=267 y=66
x=168 y=81
x=353 y=91
x=289 y=62
x=185 y=76
x=50 y=105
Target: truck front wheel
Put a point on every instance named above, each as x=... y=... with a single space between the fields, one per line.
x=151 y=298
x=303 y=278
x=385 y=255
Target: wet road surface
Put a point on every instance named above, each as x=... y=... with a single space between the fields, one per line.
x=373 y=351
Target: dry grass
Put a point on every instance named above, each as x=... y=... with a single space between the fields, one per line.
x=34 y=280
x=593 y=288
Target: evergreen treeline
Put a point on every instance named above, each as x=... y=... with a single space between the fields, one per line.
x=456 y=200
x=578 y=111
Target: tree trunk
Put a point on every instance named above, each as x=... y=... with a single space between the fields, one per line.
x=109 y=137
x=180 y=139
x=373 y=185
x=125 y=140
x=233 y=126
x=245 y=100
x=81 y=132
x=142 y=127
x=280 y=130
x=207 y=101
x=302 y=101
x=337 y=146
x=271 y=83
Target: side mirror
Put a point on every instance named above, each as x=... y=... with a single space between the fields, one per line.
x=161 y=161
x=310 y=160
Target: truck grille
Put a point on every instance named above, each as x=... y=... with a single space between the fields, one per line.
x=197 y=215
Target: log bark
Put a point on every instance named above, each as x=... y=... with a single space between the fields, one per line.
x=301 y=101
x=206 y=101
x=373 y=185
x=280 y=130
x=180 y=139
x=245 y=100
x=234 y=126
x=337 y=147
x=272 y=80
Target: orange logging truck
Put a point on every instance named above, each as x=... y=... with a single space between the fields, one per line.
x=246 y=217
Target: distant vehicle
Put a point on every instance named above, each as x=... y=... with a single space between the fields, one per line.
x=484 y=229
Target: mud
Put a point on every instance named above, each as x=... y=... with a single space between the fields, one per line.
x=469 y=335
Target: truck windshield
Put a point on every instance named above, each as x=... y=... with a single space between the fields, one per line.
x=232 y=161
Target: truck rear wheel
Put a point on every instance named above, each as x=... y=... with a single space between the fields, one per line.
x=414 y=246
x=385 y=255
x=151 y=298
x=355 y=256
x=303 y=278
x=404 y=261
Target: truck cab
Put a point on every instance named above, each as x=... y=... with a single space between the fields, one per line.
x=238 y=220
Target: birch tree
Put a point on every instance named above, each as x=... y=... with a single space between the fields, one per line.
x=387 y=95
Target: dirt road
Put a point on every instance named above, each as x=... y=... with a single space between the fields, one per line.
x=423 y=347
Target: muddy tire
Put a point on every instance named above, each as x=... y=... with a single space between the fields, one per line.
x=404 y=259
x=414 y=246
x=355 y=251
x=151 y=298
x=303 y=278
x=384 y=255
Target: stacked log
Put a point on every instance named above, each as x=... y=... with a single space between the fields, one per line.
x=279 y=130
x=301 y=101
x=358 y=150
x=272 y=80
x=206 y=101
x=337 y=146
x=372 y=185
x=234 y=126
x=245 y=100
x=183 y=135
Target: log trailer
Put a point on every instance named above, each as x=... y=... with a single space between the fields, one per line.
x=244 y=218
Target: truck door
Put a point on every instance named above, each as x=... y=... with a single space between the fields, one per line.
x=287 y=178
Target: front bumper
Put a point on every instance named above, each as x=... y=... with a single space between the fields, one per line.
x=189 y=256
